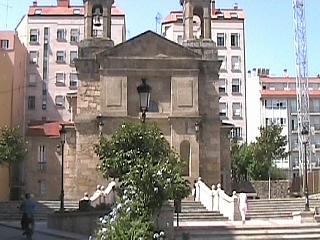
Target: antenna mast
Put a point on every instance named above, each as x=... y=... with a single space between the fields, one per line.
x=302 y=81
x=7 y=10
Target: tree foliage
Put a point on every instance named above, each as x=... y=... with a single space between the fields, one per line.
x=147 y=168
x=242 y=157
x=255 y=160
x=12 y=145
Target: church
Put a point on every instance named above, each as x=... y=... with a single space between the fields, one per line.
x=184 y=100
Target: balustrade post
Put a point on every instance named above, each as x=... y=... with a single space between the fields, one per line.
x=218 y=193
x=198 y=189
x=213 y=193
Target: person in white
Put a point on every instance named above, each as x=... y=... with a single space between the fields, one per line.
x=243 y=206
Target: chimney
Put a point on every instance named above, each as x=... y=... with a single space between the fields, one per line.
x=213 y=5
x=254 y=72
x=235 y=6
x=63 y=3
x=35 y=3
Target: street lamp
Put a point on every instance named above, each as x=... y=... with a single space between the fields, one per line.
x=63 y=140
x=144 y=91
x=305 y=134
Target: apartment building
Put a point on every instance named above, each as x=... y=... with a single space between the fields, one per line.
x=273 y=100
x=13 y=56
x=227 y=29
x=52 y=35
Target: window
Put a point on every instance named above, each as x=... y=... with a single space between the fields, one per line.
x=236 y=133
x=179 y=39
x=59 y=101
x=61 y=56
x=44 y=104
x=221 y=40
x=235 y=63
x=42 y=187
x=32 y=79
x=223 y=66
x=60 y=79
x=74 y=35
x=4 y=44
x=236 y=85
x=33 y=57
x=235 y=40
x=236 y=110
x=222 y=85
x=73 y=80
x=61 y=35
x=223 y=109
x=31 y=103
x=34 y=36
x=153 y=106
x=73 y=56
x=42 y=158
x=268 y=104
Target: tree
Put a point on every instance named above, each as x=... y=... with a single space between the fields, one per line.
x=148 y=169
x=242 y=158
x=12 y=146
x=269 y=146
x=255 y=160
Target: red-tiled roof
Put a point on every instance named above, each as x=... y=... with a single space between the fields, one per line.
x=287 y=93
x=51 y=130
x=286 y=79
x=66 y=11
x=217 y=14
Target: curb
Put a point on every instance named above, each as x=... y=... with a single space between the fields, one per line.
x=60 y=235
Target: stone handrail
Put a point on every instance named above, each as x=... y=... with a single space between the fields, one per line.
x=204 y=195
x=106 y=196
x=216 y=199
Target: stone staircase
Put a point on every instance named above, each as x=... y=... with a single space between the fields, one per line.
x=192 y=211
x=249 y=232
x=9 y=211
x=277 y=208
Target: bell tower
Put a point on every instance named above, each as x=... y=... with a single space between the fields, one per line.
x=202 y=9
x=97 y=27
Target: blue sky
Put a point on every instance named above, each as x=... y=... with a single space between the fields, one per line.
x=269 y=27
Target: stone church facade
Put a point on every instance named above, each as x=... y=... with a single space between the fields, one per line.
x=184 y=97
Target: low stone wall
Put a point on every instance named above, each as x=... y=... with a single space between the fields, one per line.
x=164 y=221
x=77 y=222
x=86 y=222
x=279 y=188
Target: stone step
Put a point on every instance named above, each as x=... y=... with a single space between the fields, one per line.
x=277 y=208
x=11 y=211
x=258 y=232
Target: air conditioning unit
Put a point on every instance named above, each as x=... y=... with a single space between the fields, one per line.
x=34 y=60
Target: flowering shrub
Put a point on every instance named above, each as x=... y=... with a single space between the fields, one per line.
x=149 y=172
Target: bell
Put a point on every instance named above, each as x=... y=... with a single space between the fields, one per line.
x=96 y=17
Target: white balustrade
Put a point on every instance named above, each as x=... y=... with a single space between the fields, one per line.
x=216 y=199
x=106 y=196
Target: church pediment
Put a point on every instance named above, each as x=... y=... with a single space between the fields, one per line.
x=149 y=45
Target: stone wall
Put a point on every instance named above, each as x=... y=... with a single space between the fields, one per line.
x=279 y=188
x=77 y=222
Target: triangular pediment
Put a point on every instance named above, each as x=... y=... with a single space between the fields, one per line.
x=149 y=45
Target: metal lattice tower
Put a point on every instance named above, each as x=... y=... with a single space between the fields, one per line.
x=302 y=88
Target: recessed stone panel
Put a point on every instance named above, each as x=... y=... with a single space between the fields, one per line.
x=114 y=92
x=185 y=93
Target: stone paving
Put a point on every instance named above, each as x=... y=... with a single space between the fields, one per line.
x=41 y=227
